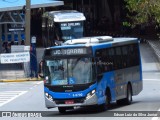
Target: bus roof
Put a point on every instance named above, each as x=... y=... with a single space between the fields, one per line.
x=114 y=42
x=65 y=16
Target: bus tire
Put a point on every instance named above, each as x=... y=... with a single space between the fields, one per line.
x=106 y=105
x=62 y=109
x=108 y=98
x=128 y=99
x=102 y=107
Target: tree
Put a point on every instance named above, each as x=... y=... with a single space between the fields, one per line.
x=143 y=12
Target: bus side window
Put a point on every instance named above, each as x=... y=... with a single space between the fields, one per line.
x=100 y=67
x=131 y=55
x=136 y=54
x=93 y=70
x=105 y=60
x=114 y=59
x=99 y=61
x=118 y=59
x=124 y=57
x=111 y=58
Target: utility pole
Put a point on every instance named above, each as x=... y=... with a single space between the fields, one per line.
x=27 y=22
x=27 y=34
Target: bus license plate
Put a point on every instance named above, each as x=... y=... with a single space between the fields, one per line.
x=69 y=102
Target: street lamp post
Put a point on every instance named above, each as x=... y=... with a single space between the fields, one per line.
x=27 y=22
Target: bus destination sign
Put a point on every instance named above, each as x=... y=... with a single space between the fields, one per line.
x=68 y=26
x=69 y=51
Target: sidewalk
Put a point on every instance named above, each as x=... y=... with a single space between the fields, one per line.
x=15 y=72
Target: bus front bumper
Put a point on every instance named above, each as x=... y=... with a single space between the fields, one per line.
x=93 y=100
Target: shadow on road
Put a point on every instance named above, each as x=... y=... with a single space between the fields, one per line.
x=92 y=111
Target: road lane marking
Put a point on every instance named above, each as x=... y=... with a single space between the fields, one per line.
x=8 y=96
x=39 y=82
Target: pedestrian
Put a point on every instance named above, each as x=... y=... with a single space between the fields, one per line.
x=40 y=69
x=5 y=46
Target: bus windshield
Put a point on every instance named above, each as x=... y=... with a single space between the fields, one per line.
x=71 y=30
x=69 y=71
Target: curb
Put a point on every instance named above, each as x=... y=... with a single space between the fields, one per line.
x=21 y=80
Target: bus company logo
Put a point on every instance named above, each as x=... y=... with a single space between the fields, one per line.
x=6 y=114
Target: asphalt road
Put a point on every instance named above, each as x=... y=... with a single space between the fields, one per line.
x=29 y=96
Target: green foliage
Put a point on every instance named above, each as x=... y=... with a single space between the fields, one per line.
x=126 y=24
x=143 y=11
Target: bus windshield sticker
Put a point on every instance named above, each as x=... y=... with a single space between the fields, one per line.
x=59 y=82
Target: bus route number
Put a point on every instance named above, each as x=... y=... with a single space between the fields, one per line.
x=78 y=95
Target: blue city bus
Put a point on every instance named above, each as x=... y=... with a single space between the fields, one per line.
x=92 y=71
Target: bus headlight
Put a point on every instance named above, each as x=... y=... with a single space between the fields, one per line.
x=49 y=96
x=46 y=95
x=90 y=94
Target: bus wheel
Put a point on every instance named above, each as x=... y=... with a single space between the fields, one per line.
x=128 y=99
x=62 y=109
x=106 y=105
x=108 y=98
